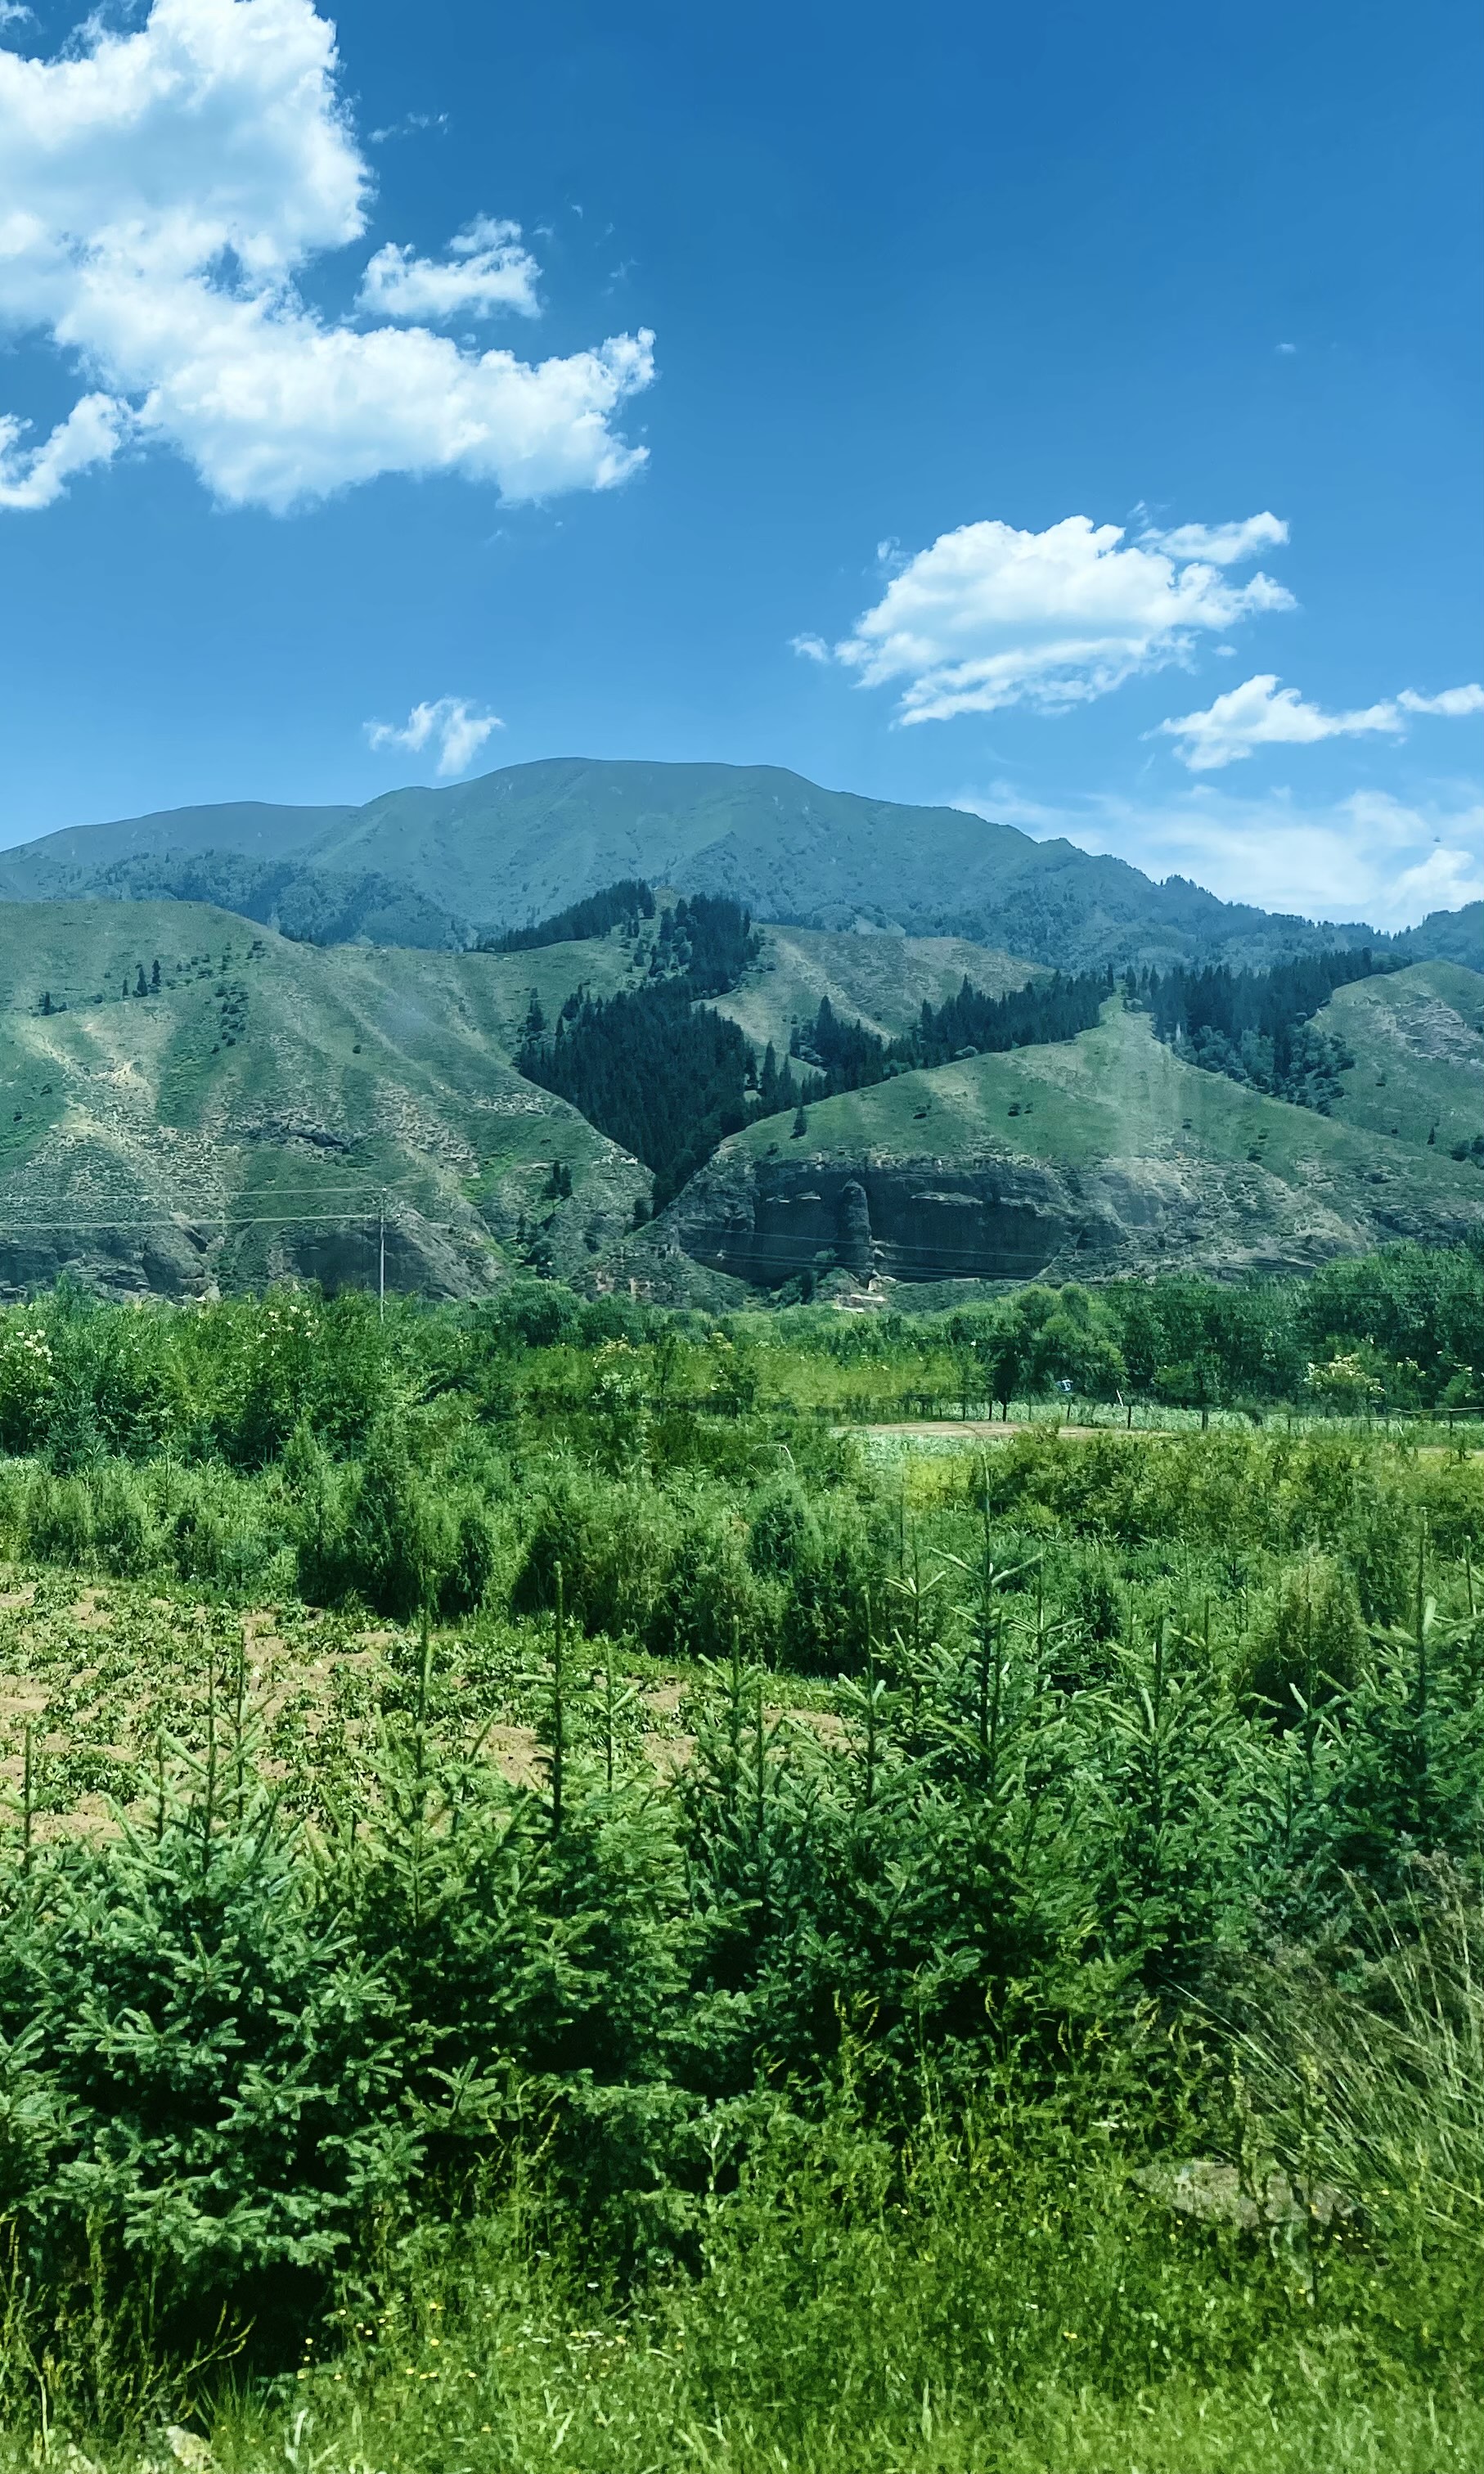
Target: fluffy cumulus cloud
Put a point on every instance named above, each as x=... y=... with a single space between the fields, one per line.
x=452 y=726
x=989 y=616
x=486 y=270
x=162 y=192
x=1370 y=856
x=1260 y=714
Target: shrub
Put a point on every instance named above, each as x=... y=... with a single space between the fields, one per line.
x=1307 y=1640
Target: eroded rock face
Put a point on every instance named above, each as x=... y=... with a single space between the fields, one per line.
x=1006 y=1217
x=916 y=1220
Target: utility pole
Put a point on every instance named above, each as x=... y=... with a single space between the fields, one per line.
x=382 y=1260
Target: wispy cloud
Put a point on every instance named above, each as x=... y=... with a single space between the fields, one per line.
x=1219 y=544
x=1260 y=714
x=989 y=616
x=1369 y=856
x=451 y=725
x=164 y=185
x=413 y=124
x=33 y=477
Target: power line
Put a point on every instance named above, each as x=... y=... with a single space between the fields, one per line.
x=784 y=1252
x=181 y=1221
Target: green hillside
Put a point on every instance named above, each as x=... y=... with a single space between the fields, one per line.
x=1418 y=1041
x=523 y=842
x=1102 y=1154
x=283 y=1089
x=67 y=863
x=245 y=1115
x=879 y=980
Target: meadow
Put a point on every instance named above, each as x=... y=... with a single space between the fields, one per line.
x=572 y=1899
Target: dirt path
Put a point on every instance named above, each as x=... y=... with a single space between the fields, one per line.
x=996 y=1429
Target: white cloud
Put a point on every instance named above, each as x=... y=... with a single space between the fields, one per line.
x=1453 y=702
x=160 y=191
x=813 y=648
x=451 y=725
x=1260 y=714
x=489 y=272
x=1222 y=545
x=1367 y=857
x=92 y=434
x=411 y=125
x=989 y=616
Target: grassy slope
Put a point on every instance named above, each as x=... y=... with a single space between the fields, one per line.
x=354 y=1068
x=350 y=1070
x=1418 y=1041
x=879 y=980
x=1116 y=1094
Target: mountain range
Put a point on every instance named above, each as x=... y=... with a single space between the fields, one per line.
x=246 y=1041
x=444 y=868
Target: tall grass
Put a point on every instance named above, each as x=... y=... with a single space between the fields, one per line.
x=1000 y=2298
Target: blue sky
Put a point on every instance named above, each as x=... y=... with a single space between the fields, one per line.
x=941 y=403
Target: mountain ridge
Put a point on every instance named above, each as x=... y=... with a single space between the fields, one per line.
x=443 y=867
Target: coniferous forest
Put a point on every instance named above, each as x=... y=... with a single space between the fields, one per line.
x=742 y=1241
x=669 y=1079
x=969 y=1024
x=551 y=1849
x=1256 y=1025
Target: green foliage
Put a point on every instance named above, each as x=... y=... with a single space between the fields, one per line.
x=848 y=1057
x=1257 y=1026
x=1307 y=1642
x=744 y=1871
x=621 y=905
x=663 y=1077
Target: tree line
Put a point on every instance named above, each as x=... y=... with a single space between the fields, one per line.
x=623 y=904
x=1255 y=1025
x=847 y=1056
x=656 y=1070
